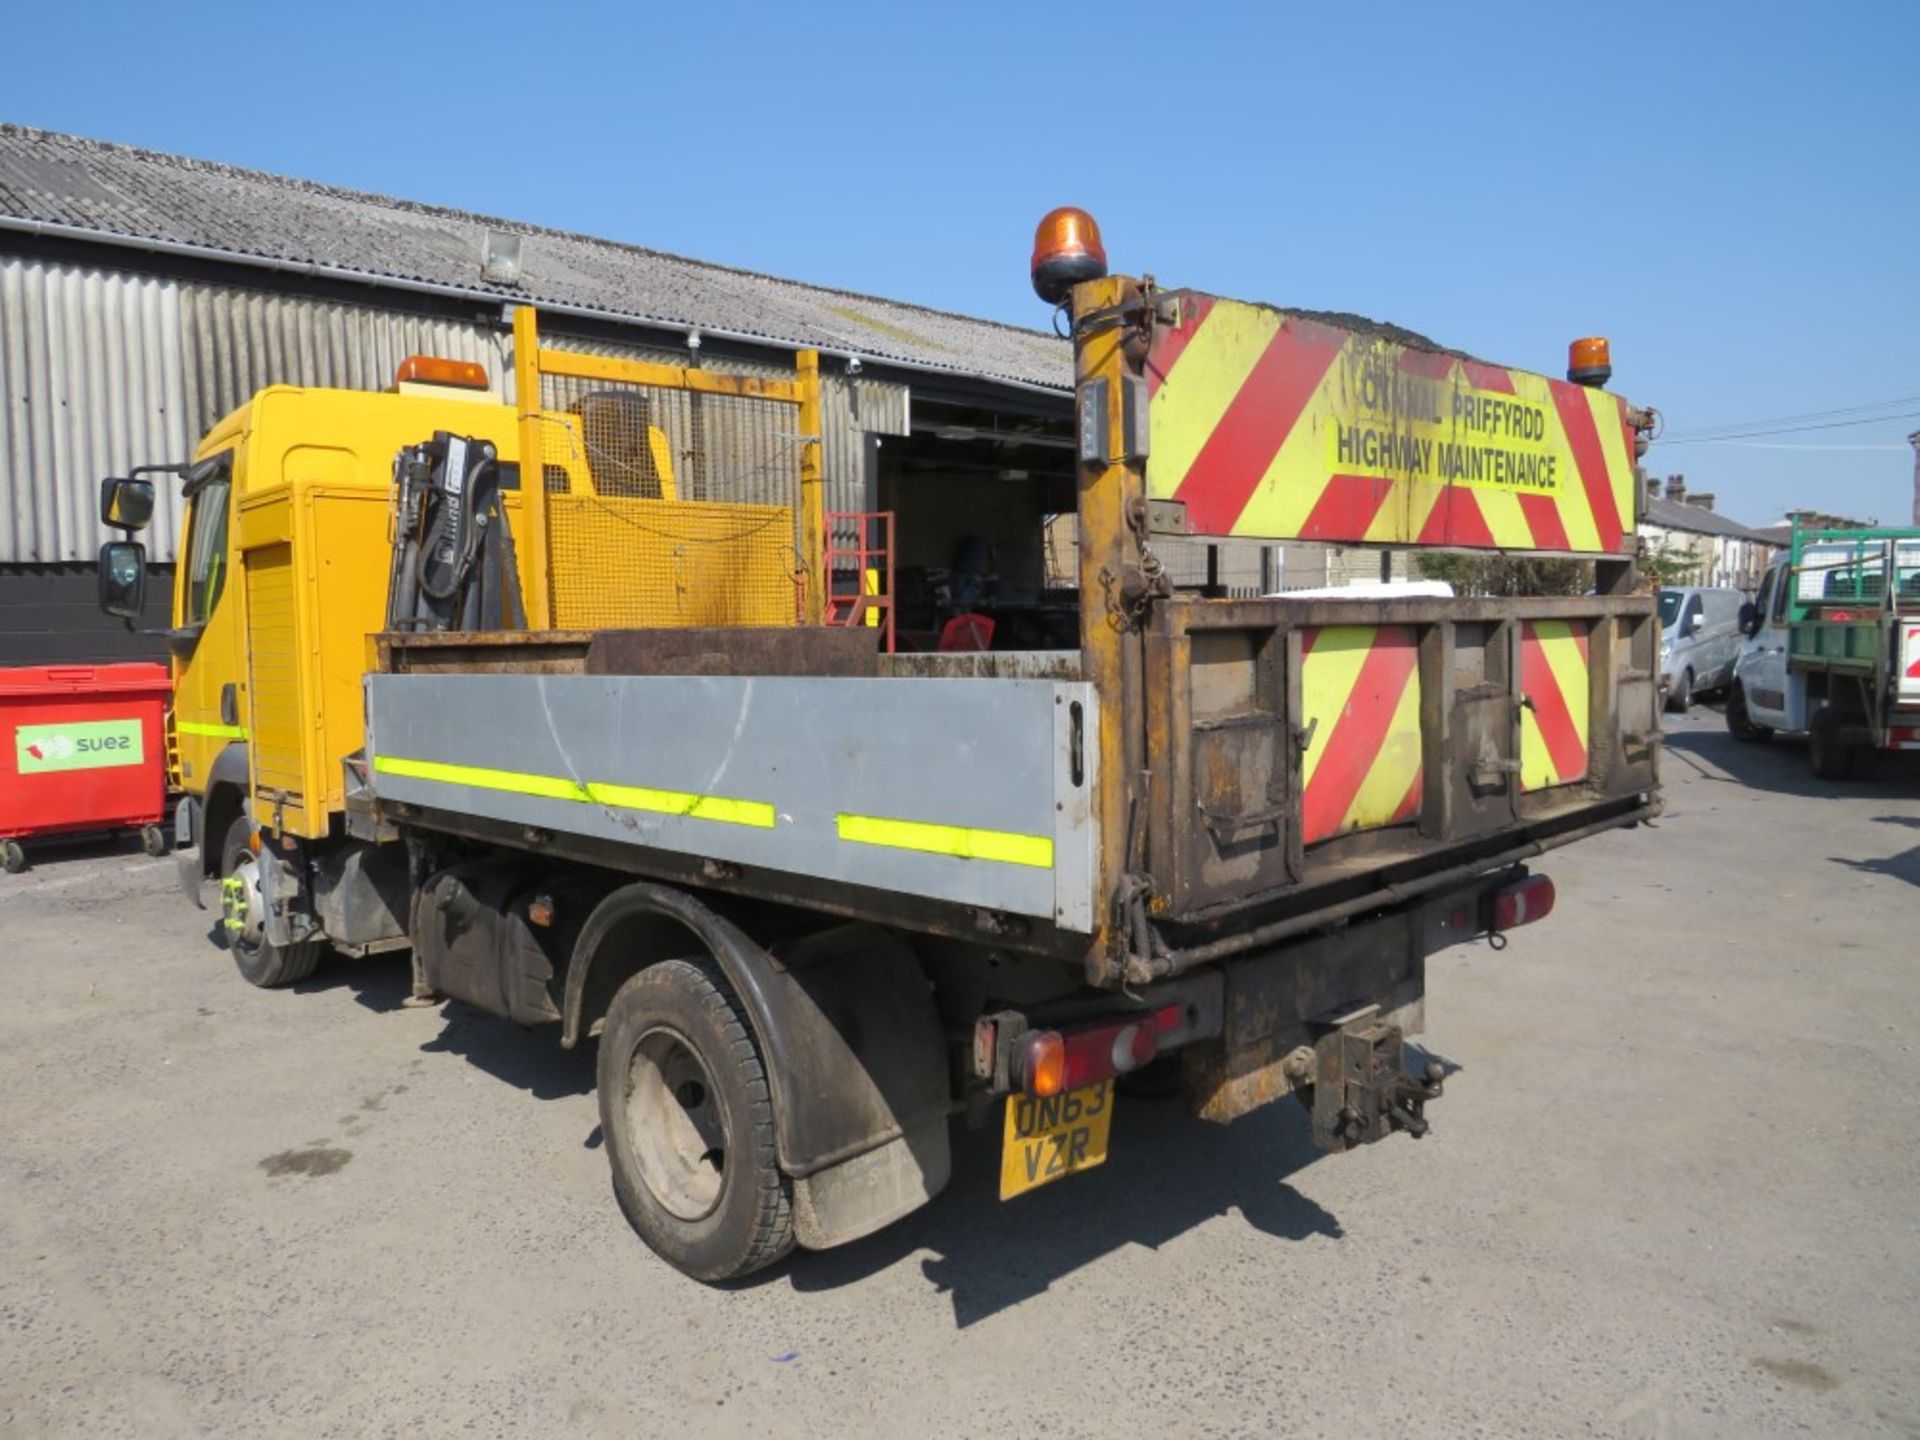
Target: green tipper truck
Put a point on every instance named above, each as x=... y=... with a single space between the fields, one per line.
x=1833 y=649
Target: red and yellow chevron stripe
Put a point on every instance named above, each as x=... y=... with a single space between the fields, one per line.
x=1282 y=427
x=1554 y=726
x=1360 y=692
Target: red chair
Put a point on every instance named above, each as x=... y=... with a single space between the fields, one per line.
x=966 y=634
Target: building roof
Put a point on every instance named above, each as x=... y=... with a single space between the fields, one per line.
x=96 y=190
x=1676 y=515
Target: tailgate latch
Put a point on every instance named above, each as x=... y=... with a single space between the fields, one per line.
x=1361 y=1089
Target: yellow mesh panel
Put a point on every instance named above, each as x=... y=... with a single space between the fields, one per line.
x=621 y=563
x=669 y=508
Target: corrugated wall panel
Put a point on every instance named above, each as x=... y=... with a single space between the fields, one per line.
x=101 y=371
x=91 y=384
x=852 y=408
x=239 y=341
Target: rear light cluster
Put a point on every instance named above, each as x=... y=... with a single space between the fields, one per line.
x=1055 y=1061
x=1522 y=904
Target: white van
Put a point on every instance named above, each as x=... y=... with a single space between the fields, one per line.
x=1699 y=641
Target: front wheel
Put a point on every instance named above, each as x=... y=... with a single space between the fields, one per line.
x=243 y=918
x=1680 y=698
x=1740 y=724
x=688 y=1118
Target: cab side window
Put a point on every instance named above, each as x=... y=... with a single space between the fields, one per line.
x=1764 y=599
x=207 y=544
x=1689 y=614
x=1777 y=612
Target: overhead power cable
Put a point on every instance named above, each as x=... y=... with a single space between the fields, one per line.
x=1721 y=439
x=1737 y=427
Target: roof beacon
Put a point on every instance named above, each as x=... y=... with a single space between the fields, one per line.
x=1589 y=362
x=438 y=370
x=1066 y=250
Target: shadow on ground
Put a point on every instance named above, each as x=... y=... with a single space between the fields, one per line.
x=1167 y=1174
x=1780 y=765
x=47 y=855
x=529 y=1060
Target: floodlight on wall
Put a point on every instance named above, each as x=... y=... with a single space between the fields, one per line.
x=500 y=258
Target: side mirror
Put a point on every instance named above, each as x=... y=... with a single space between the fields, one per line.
x=126 y=504
x=1749 y=618
x=123 y=579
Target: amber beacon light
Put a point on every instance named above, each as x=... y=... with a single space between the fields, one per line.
x=436 y=370
x=1589 y=362
x=1066 y=250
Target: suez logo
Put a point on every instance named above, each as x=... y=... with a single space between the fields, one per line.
x=81 y=745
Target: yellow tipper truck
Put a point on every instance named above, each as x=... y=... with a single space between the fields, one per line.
x=610 y=768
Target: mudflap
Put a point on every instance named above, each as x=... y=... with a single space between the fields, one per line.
x=1361 y=1090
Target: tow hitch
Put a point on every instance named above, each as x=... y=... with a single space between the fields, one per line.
x=1361 y=1091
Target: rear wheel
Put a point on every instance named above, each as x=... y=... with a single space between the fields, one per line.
x=688 y=1118
x=12 y=858
x=1828 y=755
x=153 y=840
x=243 y=918
x=1739 y=723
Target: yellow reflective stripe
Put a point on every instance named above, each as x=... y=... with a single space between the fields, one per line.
x=218 y=732
x=553 y=787
x=955 y=840
x=681 y=802
x=517 y=782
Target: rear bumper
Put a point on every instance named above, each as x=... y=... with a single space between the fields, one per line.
x=1279 y=1005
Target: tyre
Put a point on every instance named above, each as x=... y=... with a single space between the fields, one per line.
x=1739 y=723
x=1680 y=698
x=12 y=858
x=688 y=1118
x=1828 y=756
x=243 y=913
x=153 y=840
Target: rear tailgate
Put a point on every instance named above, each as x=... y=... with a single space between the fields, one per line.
x=1312 y=744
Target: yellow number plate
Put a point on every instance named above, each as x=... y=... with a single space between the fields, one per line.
x=1052 y=1138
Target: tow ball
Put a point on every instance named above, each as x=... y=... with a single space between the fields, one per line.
x=1361 y=1089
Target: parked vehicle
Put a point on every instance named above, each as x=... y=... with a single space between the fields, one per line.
x=1699 y=641
x=1832 y=649
x=816 y=902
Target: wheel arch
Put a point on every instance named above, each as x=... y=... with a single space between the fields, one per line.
x=844 y=1018
x=223 y=799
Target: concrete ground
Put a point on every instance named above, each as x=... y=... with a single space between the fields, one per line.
x=1674 y=1189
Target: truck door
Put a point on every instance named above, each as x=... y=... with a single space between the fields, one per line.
x=209 y=710
x=1763 y=662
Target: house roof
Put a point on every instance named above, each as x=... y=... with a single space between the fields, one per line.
x=1676 y=515
x=99 y=190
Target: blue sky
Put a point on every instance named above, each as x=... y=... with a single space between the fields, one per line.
x=1728 y=191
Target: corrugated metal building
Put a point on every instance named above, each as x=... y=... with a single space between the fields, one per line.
x=143 y=296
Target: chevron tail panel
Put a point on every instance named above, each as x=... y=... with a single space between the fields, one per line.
x=1554 y=742
x=1360 y=693
x=1281 y=426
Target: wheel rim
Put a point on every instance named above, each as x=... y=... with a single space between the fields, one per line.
x=675 y=1127
x=241 y=910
